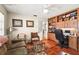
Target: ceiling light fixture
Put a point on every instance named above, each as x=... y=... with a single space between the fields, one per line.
x=45 y=10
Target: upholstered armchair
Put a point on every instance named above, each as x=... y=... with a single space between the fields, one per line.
x=21 y=37
x=18 y=46
x=18 y=49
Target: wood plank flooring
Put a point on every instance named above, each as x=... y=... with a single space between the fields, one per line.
x=52 y=48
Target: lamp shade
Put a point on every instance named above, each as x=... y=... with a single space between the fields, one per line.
x=10 y=29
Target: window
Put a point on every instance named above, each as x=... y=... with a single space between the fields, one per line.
x=1 y=24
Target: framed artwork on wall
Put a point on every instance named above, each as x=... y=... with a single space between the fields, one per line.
x=17 y=23
x=29 y=23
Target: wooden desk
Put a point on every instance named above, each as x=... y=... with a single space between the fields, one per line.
x=74 y=42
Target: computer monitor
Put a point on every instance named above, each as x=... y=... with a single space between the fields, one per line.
x=67 y=31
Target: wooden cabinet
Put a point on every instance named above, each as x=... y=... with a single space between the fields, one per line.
x=60 y=24
x=57 y=24
x=73 y=42
x=75 y=23
x=65 y=20
x=72 y=24
x=65 y=24
x=69 y=24
x=51 y=36
x=52 y=22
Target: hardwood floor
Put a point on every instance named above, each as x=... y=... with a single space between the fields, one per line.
x=52 y=48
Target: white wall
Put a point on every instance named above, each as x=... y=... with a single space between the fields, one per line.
x=45 y=28
x=23 y=29
x=4 y=11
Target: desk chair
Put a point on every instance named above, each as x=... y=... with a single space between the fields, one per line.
x=59 y=36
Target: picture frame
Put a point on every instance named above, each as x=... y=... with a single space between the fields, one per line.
x=29 y=23
x=17 y=23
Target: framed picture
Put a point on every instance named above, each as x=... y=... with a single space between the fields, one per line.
x=29 y=23
x=17 y=22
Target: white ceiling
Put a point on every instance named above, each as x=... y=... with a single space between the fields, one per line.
x=37 y=9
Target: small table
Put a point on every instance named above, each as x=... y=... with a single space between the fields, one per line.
x=33 y=46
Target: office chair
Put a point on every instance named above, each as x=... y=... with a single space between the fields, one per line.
x=63 y=41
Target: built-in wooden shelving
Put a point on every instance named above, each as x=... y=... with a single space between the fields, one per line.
x=65 y=20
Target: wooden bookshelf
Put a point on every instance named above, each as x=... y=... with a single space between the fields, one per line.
x=68 y=19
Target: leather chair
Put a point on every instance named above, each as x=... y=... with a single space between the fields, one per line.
x=34 y=36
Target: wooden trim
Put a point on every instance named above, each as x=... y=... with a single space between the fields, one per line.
x=63 y=13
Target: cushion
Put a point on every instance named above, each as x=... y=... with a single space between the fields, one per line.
x=19 y=44
x=18 y=51
x=35 y=38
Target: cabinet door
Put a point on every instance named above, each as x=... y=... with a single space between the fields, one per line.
x=69 y=24
x=66 y=24
x=58 y=25
x=75 y=24
x=72 y=24
x=73 y=42
x=62 y=24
